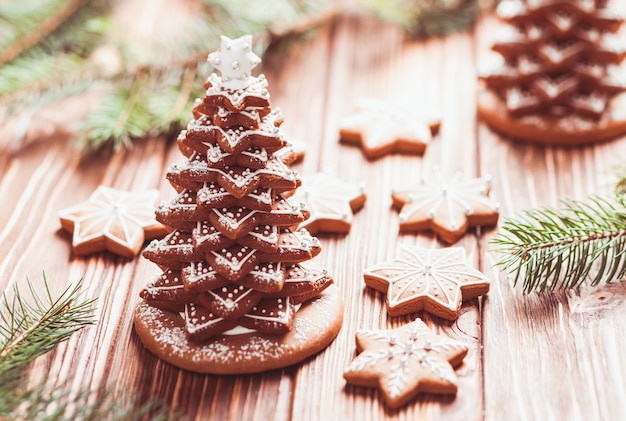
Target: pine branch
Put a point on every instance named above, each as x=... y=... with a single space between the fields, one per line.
x=158 y=78
x=30 y=327
x=149 y=104
x=56 y=67
x=45 y=28
x=548 y=249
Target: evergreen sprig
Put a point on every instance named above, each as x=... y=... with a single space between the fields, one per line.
x=34 y=324
x=30 y=327
x=549 y=249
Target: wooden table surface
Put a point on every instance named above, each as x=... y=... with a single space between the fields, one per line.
x=556 y=356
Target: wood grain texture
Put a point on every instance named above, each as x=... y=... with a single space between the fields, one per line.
x=550 y=357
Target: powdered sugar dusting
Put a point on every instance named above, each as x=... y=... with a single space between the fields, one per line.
x=258 y=351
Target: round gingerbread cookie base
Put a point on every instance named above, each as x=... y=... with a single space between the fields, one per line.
x=564 y=131
x=316 y=324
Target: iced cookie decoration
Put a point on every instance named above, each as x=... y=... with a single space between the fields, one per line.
x=233 y=295
x=558 y=78
x=381 y=129
x=235 y=61
x=405 y=362
x=114 y=220
x=332 y=202
x=432 y=280
x=448 y=207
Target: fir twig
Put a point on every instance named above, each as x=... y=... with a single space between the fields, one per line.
x=46 y=27
x=548 y=249
x=150 y=70
x=30 y=327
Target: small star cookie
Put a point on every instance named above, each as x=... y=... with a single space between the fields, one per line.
x=235 y=61
x=447 y=207
x=381 y=129
x=331 y=201
x=436 y=281
x=404 y=362
x=113 y=220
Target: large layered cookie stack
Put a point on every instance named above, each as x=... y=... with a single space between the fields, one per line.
x=233 y=296
x=560 y=81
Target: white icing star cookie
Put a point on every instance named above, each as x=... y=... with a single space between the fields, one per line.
x=404 y=362
x=113 y=220
x=235 y=61
x=447 y=207
x=381 y=129
x=331 y=201
x=433 y=280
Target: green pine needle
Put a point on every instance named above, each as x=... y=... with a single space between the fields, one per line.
x=620 y=185
x=549 y=249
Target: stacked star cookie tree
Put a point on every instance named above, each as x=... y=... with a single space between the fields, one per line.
x=561 y=81
x=232 y=281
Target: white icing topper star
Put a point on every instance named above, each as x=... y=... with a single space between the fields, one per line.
x=235 y=61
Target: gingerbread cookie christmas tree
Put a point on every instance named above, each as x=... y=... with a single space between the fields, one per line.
x=233 y=296
x=560 y=80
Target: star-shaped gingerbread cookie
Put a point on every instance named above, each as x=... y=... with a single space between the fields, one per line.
x=447 y=207
x=433 y=280
x=404 y=362
x=381 y=129
x=113 y=220
x=235 y=61
x=331 y=201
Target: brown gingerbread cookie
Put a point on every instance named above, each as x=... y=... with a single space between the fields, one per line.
x=239 y=181
x=331 y=201
x=404 y=362
x=448 y=207
x=201 y=133
x=164 y=334
x=381 y=129
x=113 y=220
x=435 y=281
